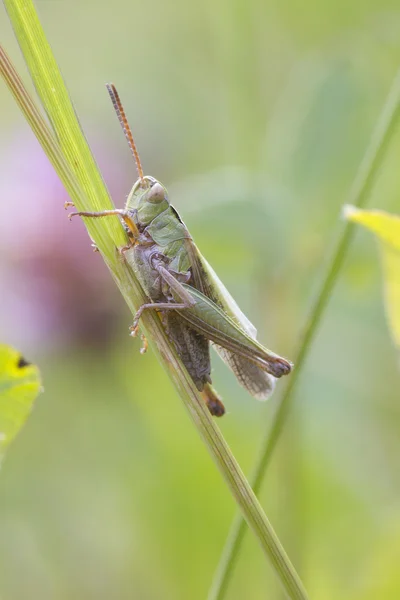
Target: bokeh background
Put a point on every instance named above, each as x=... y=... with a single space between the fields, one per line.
x=255 y=115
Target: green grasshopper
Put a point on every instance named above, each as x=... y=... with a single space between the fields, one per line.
x=195 y=307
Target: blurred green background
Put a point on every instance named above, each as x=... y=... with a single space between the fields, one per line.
x=255 y=115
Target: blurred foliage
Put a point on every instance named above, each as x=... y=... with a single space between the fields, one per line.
x=387 y=229
x=255 y=116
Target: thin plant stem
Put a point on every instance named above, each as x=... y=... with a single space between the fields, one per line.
x=358 y=195
x=71 y=157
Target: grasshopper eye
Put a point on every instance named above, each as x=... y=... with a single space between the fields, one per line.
x=156 y=194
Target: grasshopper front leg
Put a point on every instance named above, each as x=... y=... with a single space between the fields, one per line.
x=125 y=215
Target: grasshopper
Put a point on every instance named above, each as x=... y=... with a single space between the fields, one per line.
x=195 y=307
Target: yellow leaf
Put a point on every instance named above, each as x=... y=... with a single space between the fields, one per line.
x=19 y=386
x=387 y=229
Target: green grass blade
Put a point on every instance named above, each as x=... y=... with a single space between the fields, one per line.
x=108 y=235
x=41 y=129
x=56 y=101
x=360 y=190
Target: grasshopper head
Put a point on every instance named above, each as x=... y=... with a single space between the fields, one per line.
x=148 y=199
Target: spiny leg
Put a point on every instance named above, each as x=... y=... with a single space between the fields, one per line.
x=125 y=216
x=102 y=213
x=154 y=306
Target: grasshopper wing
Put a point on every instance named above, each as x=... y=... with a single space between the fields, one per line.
x=254 y=379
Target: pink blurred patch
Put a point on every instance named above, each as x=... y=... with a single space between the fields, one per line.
x=54 y=289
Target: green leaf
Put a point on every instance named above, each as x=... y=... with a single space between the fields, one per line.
x=19 y=386
x=387 y=229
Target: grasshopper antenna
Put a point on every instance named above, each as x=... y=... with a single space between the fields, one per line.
x=125 y=126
